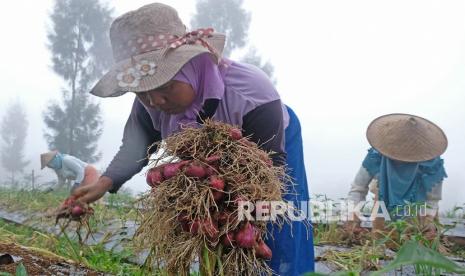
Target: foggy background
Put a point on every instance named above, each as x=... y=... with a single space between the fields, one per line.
x=338 y=64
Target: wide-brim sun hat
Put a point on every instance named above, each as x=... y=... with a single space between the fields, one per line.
x=150 y=45
x=45 y=158
x=406 y=137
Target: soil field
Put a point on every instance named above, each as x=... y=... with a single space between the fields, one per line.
x=38 y=263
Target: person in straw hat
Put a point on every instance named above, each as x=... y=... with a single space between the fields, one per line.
x=179 y=77
x=405 y=165
x=68 y=167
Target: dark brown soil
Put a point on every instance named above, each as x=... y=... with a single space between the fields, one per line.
x=38 y=264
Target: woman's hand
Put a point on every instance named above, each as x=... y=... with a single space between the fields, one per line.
x=85 y=194
x=93 y=191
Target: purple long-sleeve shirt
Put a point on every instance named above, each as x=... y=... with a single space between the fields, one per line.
x=250 y=101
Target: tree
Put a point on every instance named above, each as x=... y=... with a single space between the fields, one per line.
x=228 y=17
x=80 y=47
x=86 y=126
x=13 y=133
x=225 y=16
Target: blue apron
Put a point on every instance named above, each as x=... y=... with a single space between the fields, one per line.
x=293 y=248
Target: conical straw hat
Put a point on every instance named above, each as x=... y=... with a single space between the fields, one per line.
x=45 y=158
x=406 y=137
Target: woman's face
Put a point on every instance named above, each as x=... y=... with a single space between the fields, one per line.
x=173 y=98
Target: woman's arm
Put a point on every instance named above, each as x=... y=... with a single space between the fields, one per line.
x=265 y=126
x=130 y=159
x=432 y=200
x=359 y=187
x=358 y=192
x=139 y=133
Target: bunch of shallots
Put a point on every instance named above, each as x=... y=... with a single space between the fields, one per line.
x=200 y=182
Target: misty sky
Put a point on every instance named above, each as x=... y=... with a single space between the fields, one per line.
x=339 y=64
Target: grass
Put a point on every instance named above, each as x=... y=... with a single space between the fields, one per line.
x=327 y=234
x=95 y=257
x=357 y=258
x=425 y=261
x=354 y=260
x=20 y=271
x=33 y=201
x=456 y=212
x=406 y=237
x=367 y=252
x=119 y=206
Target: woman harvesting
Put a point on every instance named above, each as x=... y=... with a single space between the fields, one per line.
x=179 y=78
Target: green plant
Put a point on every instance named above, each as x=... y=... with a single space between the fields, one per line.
x=341 y=273
x=31 y=202
x=357 y=258
x=21 y=270
x=95 y=257
x=425 y=260
x=456 y=212
x=326 y=233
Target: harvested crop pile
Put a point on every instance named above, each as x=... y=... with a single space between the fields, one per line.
x=200 y=180
x=72 y=209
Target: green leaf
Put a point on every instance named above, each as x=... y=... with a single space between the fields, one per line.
x=4 y=273
x=340 y=273
x=413 y=253
x=21 y=270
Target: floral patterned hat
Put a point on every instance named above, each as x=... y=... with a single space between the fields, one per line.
x=150 y=45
